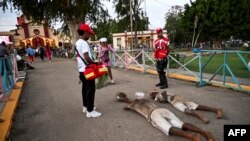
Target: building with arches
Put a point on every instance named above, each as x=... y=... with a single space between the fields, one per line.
x=29 y=33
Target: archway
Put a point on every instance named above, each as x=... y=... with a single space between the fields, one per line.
x=37 y=41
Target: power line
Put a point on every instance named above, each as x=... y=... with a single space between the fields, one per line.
x=165 y=4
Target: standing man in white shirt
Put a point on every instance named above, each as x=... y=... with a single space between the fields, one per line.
x=88 y=86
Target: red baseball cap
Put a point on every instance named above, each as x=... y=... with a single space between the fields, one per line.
x=158 y=30
x=86 y=28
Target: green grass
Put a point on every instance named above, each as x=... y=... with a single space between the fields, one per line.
x=233 y=61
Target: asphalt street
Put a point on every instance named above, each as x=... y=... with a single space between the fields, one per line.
x=50 y=108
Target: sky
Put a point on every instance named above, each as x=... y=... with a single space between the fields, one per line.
x=155 y=9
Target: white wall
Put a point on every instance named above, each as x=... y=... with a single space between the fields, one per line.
x=143 y=34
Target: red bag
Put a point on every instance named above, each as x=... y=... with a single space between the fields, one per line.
x=159 y=54
x=90 y=72
x=162 y=54
x=102 y=69
x=93 y=71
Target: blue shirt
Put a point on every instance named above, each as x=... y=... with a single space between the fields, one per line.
x=30 y=51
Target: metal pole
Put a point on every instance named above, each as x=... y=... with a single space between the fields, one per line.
x=224 y=68
x=131 y=23
x=143 y=61
x=202 y=83
x=169 y=58
x=195 y=25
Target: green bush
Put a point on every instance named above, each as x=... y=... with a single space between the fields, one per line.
x=243 y=48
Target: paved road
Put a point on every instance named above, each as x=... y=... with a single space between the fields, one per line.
x=50 y=107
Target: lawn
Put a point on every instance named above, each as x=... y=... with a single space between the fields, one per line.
x=233 y=61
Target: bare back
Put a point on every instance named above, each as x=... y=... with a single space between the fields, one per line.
x=175 y=99
x=143 y=107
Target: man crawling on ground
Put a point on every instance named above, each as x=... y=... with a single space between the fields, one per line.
x=163 y=119
x=185 y=105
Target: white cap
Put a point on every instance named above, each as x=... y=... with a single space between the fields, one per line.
x=103 y=39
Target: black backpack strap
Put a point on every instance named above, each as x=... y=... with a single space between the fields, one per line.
x=81 y=57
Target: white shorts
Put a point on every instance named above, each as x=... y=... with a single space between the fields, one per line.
x=164 y=120
x=182 y=106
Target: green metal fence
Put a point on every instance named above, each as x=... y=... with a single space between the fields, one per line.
x=224 y=70
x=181 y=63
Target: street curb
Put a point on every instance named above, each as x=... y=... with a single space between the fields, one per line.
x=9 y=110
x=193 y=79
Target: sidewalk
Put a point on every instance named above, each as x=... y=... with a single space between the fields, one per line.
x=7 y=109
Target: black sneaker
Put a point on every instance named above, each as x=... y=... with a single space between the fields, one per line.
x=159 y=84
x=164 y=86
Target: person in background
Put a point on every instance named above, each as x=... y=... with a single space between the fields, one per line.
x=3 y=50
x=83 y=51
x=161 y=52
x=41 y=52
x=31 y=54
x=22 y=64
x=103 y=56
x=48 y=52
x=37 y=52
x=66 y=54
x=3 y=53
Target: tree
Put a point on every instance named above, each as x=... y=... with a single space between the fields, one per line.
x=139 y=20
x=106 y=29
x=218 y=19
x=195 y=18
x=240 y=17
x=231 y=19
x=71 y=12
x=173 y=25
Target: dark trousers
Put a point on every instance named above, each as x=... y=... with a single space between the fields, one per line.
x=88 y=92
x=160 y=66
x=42 y=57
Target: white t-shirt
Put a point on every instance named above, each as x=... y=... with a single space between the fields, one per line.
x=82 y=47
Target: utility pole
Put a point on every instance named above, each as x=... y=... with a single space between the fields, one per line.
x=195 y=26
x=136 y=18
x=145 y=5
x=131 y=23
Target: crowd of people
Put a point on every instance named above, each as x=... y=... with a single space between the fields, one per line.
x=40 y=51
x=21 y=61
